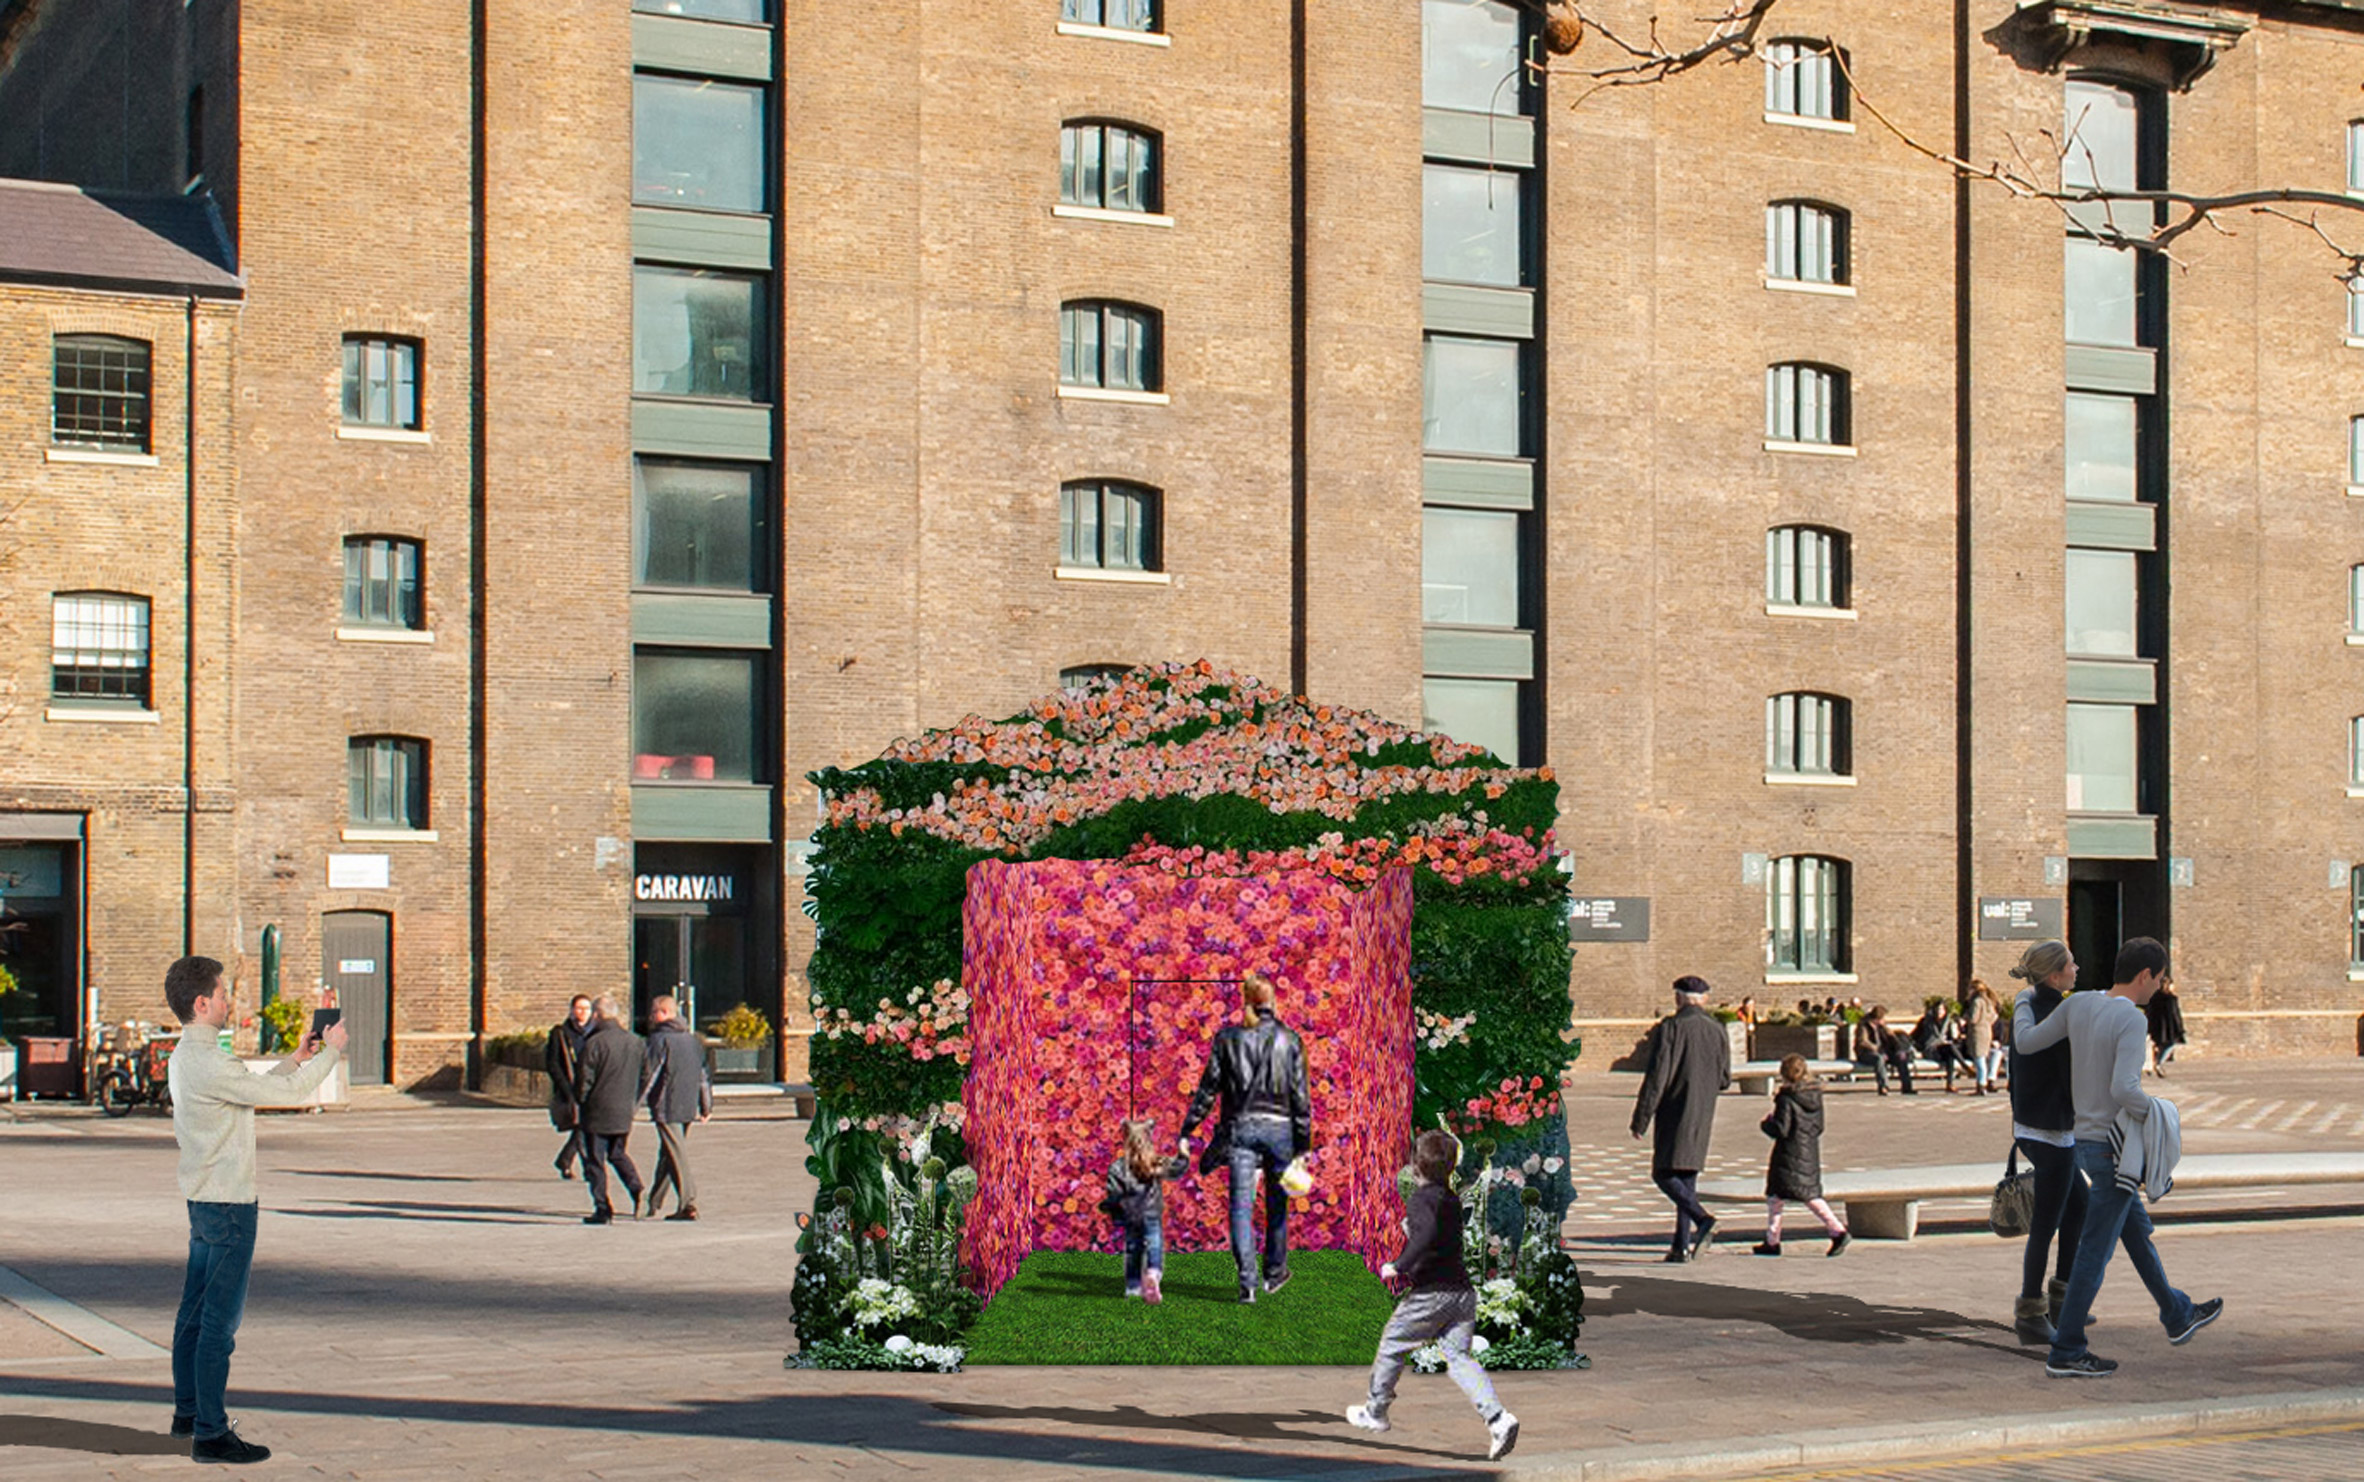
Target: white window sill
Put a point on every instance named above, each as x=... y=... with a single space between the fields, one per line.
x=1800 y=121
x=1820 y=450
x=1115 y=33
x=95 y=455
x=2355 y=792
x=100 y=714
x=415 y=436
x=1806 y=779
x=1095 y=573
x=388 y=836
x=2356 y=974
x=1840 y=978
x=2353 y=341
x=1098 y=213
x=1802 y=285
x=1099 y=393
x=2356 y=491
x=384 y=635
x=1828 y=614
x=2356 y=640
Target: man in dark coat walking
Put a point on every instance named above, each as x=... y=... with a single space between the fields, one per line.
x=607 y=1088
x=559 y=1057
x=678 y=1094
x=1256 y=1071
x=1689 y=1065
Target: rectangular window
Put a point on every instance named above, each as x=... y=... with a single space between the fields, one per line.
x=193 y=140
x=1116 y=15
x=697 y=142
x=382 y=587
x=2356 y=310
x=1802 y=81
x=1470 y=226
x=2356 y=157
x=696 y=716
x=1805 y=915
x=2103 y=133
x=381 y=382
x=1805 y=734
x=2356 y=450
x=386 y=782
x=99 y=648
x=747 y=12
x=2356 y=599
x=1478 y=712
x=1470 y=59
x=2101 y=438
x=1469 y=567
x=1805 y=404
x=698 y=333
x=1110 y=526
x=2102 y=603
x=1474 y=396
x=1803 y=567
x=2356 y=752
x=2103 y=746
x=2356 y=916
x=1110 y=346
x=700 y=525
x=1805 y=243
x=99 y=393
x=2099 y=296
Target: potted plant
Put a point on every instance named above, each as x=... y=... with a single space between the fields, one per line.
x=746 y=1038
x=283 y=1019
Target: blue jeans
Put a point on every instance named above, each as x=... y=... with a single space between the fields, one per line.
x=2059 y=1209
x=2113 y=1216
x=1145 y=1246
x=213 y=1299
x=1266 y=1143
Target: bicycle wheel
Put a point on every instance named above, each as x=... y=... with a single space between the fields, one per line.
x=115 y=1095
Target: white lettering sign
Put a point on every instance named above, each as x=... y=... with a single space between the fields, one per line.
x=357 y=964
x=358 y=871
x=684 y=887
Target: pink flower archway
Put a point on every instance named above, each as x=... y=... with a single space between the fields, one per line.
x=1095 y=988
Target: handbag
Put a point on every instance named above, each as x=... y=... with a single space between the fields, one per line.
x=2013 y=1208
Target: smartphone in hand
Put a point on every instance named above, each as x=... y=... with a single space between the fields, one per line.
x=321 y=1019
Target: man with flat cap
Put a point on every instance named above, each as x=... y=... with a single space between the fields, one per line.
x=1687 y=1064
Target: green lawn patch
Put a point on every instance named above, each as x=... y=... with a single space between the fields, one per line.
x=1069 y=1307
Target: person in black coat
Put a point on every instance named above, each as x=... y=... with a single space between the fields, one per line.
x=679 y=1093
x=2043 y=1131
x=559 y=1054
x=2166 y=1027
x=1795 y=1125
x=607 y=1089
x=1689 y=1065
x=1256 y=1074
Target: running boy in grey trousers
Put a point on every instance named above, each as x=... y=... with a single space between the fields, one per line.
x=1437 y=1303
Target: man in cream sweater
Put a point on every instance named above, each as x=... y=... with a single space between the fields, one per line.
x=213 y=1100
x=2108 y=1041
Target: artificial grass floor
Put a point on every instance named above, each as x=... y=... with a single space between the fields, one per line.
x=1069 y=1307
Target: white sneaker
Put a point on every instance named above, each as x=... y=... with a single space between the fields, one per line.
x=1364 y=1418
x=1504 y=1428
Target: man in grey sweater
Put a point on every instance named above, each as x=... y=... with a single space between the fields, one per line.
x=2108 y=1040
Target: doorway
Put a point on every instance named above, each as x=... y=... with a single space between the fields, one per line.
x=2109 y=901
x=699 y=957
x=357 y=960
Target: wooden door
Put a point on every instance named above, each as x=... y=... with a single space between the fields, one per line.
x=356 y=950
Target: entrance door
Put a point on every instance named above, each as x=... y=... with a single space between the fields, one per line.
x=2096 y=917
x=699 y=959
x=357 y=960
x=660 y=964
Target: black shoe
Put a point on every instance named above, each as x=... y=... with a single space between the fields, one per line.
x=1275 y=1283
x=600 y=1217
x=1909 y=1091
x=1762 y=1249
x=226 y=1447
x=184 y=1426
x=2202 y=1315
x=2083 y=1366
x=1707 y=1232
x=686 y=1212
x=1839 y=1243
x=1247 y=1295
x=564 y=1171
x=1676 y=1258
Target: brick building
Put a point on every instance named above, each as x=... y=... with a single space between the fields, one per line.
x=637 y=408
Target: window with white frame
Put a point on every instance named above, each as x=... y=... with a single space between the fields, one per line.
x=1802 y=81
x=1806 y=404
x=1806 y=908
x=1805 y=242
x=2356 y=310
x=2356 y=156
x=1805 y=566
x=2356 y=600
x=1116 y=15
x=2356 y=752
x=1108 y=525
x=1108 y=346
x=99 y=649
x=386 y=782
x=2356 y=450
x=1806 y=735
x=1110 y=166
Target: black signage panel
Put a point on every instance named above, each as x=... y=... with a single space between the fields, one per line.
x=1609 y=918
x=2004 y=918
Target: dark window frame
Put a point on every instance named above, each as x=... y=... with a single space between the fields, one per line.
x=1146 y=17
x=1834 y=886
x=1103 y=312
x=1072 y=134
x=1786 y=731
x=1840 y=401
x=97 y=402
x=359 y=610
x=1834 y=71
x=1101 y=492
x=1788 y=237
x=87 y=678
x=356 y=382
x=368 y=769
x=1839 y=546
x=1076 y=676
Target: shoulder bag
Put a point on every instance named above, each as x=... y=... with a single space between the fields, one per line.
x=2013 y=1208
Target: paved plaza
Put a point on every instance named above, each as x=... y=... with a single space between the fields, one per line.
x=426 y=1304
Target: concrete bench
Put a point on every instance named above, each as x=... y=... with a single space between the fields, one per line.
x=1885 y=1203
x=1756 y=1077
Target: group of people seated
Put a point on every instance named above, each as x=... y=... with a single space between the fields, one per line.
x=1965 y=1038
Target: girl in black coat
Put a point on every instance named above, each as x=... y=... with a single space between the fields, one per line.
x=1795 y=1125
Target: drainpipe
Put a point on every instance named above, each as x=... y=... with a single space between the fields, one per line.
x=189 y=636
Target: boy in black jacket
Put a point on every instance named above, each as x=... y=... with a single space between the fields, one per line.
x=1436 y=1303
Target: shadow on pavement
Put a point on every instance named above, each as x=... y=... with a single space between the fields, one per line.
x=1814 y=1317
x=868 y=1422
x=359 y=1173
x=55 y=1434
x=1240 y=1425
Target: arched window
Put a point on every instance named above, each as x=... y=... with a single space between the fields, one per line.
x=99 y=649
x=386 y=782
x=1109 y=166
x=1802 y=81
x=1806 y=914
x=1109 y=346
x=1807 y=404
x=1076 y=676
x=99 y=393
x=1805 y=242
x=1114 y=15
x=1806 y=566
x=1806 y=735
x=1109 y=525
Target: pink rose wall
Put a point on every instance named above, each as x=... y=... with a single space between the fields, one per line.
x=1095 y=989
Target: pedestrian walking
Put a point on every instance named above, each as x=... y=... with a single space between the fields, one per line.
x=1982 y=1014
x=214 y=1097
x=1881 y=1050
x=1688 y=1064
x=2119 y=1150
x=608 y=1088
x=2043 y=1128
x=560 y=1054
x=1136 y=1201
x=679 y=1093
x=2164 y=1014
x=1795 y=1171
x=1256 y=1074
x=1435 y=1302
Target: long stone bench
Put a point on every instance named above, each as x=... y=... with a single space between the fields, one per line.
x=1885 y=1203
x=1756 y=1077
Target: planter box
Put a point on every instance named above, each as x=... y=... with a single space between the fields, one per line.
x=7 y=1071
x=741 y=1065
x=513 y=1085
x=1814 y=1041
x=47 y=1066
x=330 y=1092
